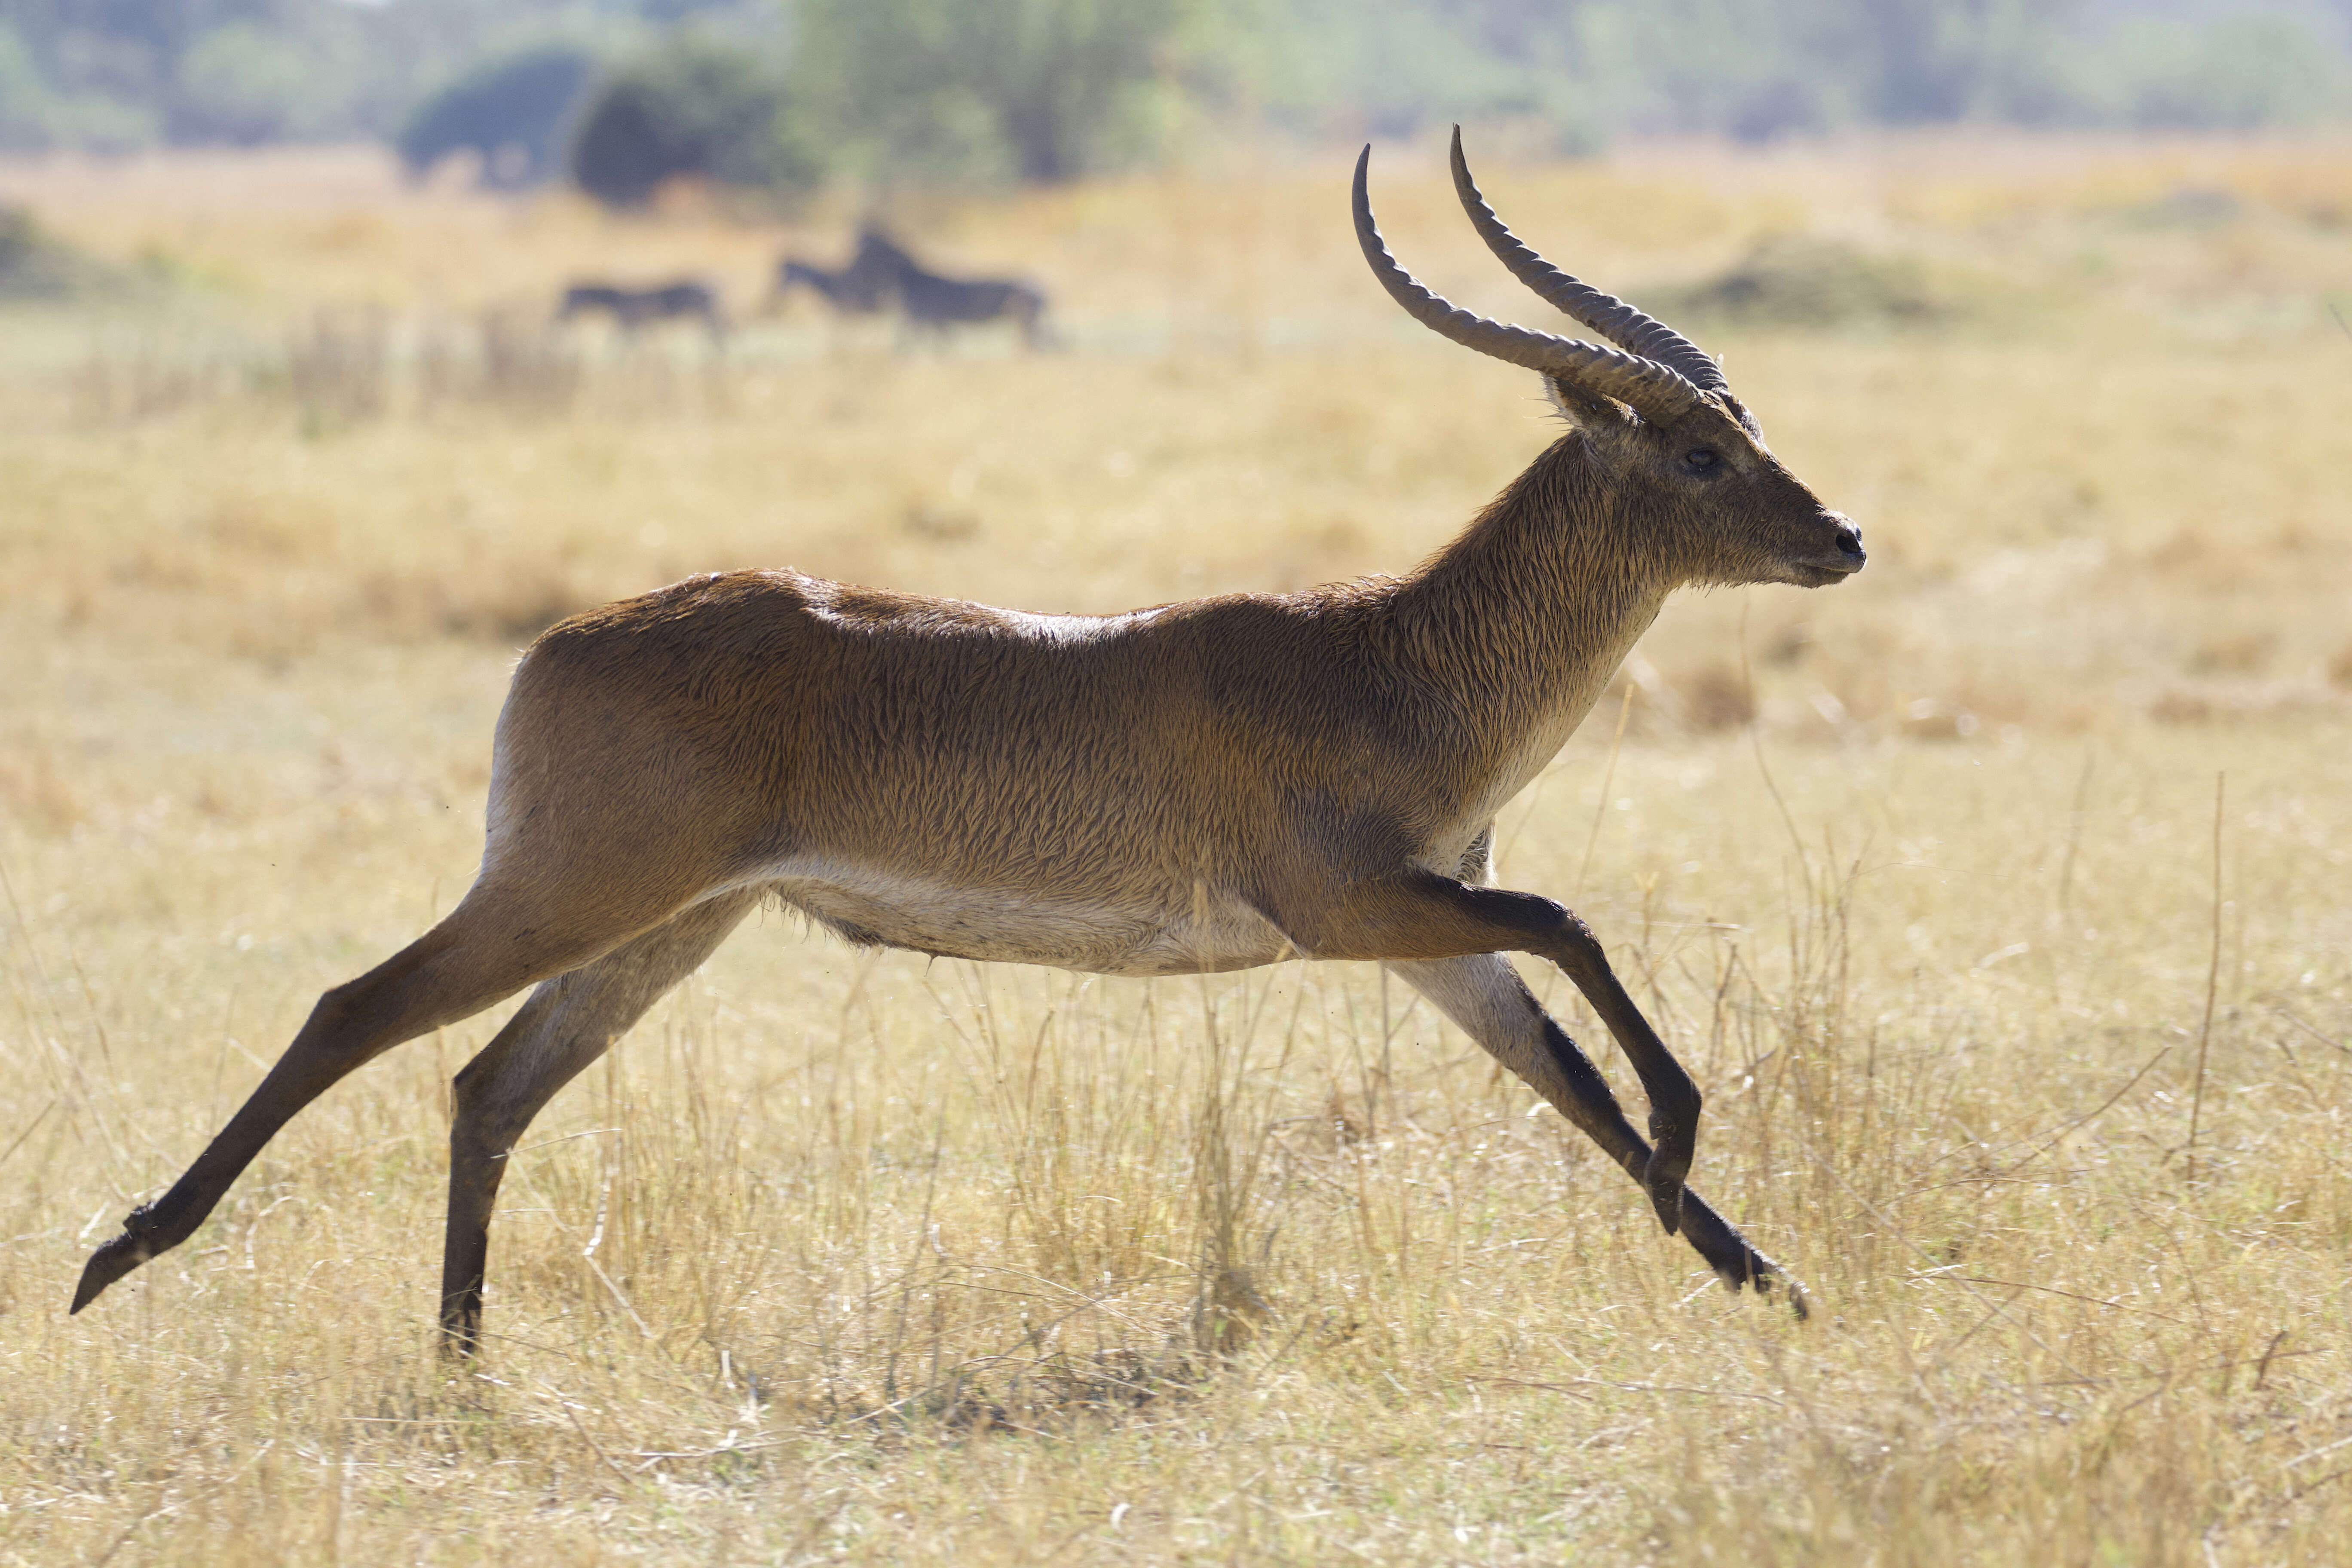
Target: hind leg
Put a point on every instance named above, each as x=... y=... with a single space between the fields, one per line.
x=568 y=1023
x=498 y=941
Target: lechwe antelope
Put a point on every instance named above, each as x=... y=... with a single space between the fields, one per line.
x=1206 y=785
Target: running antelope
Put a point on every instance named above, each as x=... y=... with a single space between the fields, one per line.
x=1207 y=785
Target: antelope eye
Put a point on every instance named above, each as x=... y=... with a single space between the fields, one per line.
x=1700 y=459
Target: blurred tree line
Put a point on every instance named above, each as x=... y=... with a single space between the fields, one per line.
x=116 y=75
x=785 y=93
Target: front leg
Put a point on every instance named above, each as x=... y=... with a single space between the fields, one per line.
x=1421 y=915
x=1485 y=999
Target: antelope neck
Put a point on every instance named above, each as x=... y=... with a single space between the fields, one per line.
x=1524 y=617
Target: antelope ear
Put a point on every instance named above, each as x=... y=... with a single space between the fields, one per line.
x=1587 y=409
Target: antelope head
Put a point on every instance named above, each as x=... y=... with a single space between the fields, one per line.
x=1702 y=495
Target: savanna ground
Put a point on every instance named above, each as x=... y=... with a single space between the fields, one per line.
x=844 y=1256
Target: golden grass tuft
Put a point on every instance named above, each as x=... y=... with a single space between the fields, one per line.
x=847 y=1256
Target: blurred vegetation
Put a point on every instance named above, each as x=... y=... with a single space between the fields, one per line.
x=1807 y=280
x=117 y=75
x=511 y=110
x=1756 y=70
x=1048 y=90
x=1041 y=88
x=694 y=104
x=35 y=265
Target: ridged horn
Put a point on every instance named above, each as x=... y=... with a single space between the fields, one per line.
x=1613 y=319
x=1658 y=392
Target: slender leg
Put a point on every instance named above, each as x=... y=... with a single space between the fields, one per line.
x=1484 y=996
x=568 y=1023
x=491 y=946
x=1420 y=914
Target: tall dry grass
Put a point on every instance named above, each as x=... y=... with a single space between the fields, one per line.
x=852 y=1256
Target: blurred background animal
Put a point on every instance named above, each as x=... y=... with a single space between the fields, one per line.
x=634 y=308
x=934 y=304
x=883 y=273
x=863 y=288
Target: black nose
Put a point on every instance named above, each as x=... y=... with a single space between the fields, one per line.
x=1848 y=540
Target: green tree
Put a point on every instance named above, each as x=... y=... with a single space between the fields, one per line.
x=514 y=110
x=695 y=104
x=24 y=98
x=1043 y=90
x=2238 y=73
x=244 y=82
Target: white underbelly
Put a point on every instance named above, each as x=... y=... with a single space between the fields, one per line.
x=869 y=905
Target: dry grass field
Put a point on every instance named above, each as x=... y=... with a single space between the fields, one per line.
x=847 y=1257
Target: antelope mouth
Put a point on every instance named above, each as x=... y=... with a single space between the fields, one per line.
x=1833 y=565
x=1820 y=571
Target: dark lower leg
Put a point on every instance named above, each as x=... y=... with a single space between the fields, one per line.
x=482 y=1134
x=1588 y=1102
x=567 y=1024
x=350 y=1026
x=1674 y=1098
x=1485 y=998
x=474 y=1177
x=1419 y=915
x=461 y=966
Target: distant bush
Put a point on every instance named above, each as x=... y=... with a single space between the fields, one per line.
x=694 y=105
x=1051 y=89
x=1042 y=89
x=23 y=96
x=35 y=116
x=513 y=111
x=245 y=83
x=1800 y=280
x=2240 y=72
x=35 y=266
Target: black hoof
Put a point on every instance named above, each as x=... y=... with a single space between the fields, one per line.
x=107 y=1264
x=1760 y=1274
x=1735 y=1262
x=461 y=1338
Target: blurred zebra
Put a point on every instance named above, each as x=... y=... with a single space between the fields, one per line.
x=934 y=304
x=851 y=290
x=882 y=273
x=632 y=307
